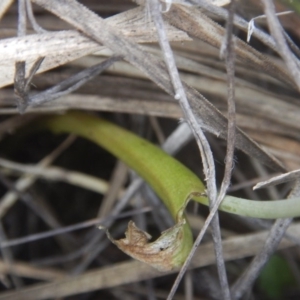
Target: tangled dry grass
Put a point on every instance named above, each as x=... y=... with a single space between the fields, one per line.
x=114 y=58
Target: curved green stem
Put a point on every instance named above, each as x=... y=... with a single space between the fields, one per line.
x=172 y=181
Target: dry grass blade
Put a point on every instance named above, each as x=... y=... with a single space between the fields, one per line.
x=9 y=199
x=277 y=32
x=166 y=108
x=98 y=30
x=4 y=5
x=246 y=280
x=206 y=154
x=239 y=22
x=9 y=261
x=54 y=173
x=67 y=229
x=290 y=176
x=29 y=271
x=22 y=84
x=58 y=47
x=69 y=85
x=124 y=273
x=199 y=25
x=62 y=47
x=229 y=159
x=116 y=184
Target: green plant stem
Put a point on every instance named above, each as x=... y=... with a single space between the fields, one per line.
x=171 y=180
